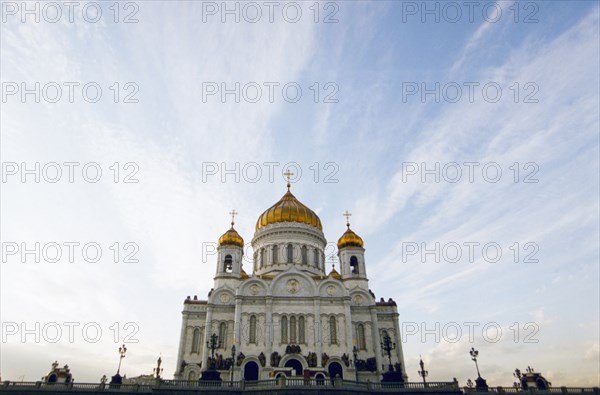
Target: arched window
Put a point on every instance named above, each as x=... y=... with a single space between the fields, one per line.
x=275 y=254
x=223 y=335
x=301 y=335
x=252 y=334
x=316 y=257
x=293 y=330
x=284 y=329
x=262 y=257
x=228 y=264
x=191 y=376
x=362 y=344
x=332 y=330
x=304 y=255
x=195 y=340
x=354 y=264
x=290 y=253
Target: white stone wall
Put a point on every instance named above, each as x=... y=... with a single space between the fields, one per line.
x=290 y=290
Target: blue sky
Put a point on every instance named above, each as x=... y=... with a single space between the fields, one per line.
x=370 y=57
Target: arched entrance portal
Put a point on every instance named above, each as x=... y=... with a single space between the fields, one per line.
x=251 y=371
x=335 y=369
x=297 y=365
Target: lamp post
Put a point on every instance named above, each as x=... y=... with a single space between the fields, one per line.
x=519 y=376
x=232 y=363
x=158 y=370
x=116 y=380
x=122 y=351
x=474 y=353
x=212 y=344
x=480 y=383
x=387 y=345
x=423 y=373
x=211 y=373
x=355 y=355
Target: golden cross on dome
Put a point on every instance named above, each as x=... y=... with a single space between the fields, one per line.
x=289 y=175
x=332 y=262
x=347 y=215
x=233 y=213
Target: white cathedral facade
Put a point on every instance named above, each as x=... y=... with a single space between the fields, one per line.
x=290 y=317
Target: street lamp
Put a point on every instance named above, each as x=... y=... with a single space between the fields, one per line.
x=116 y=380
x=480 y=383
x=122 y=351
x=212 y=344
x=423 y=373
x=355 y=355
x=387 y=345
x=158 y=370
x=232 y=362
x=474 y=353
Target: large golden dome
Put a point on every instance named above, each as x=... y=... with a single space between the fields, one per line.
x=231 y=238
x=289 y=209
x=350 y=239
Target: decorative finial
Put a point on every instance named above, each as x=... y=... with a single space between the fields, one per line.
x=347 y=215
x=332 y=262
x=233 y=213
x=289 y=175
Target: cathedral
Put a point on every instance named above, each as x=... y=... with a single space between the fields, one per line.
x=290 y=317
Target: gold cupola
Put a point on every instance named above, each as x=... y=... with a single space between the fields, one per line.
x=333 y=273
x=349 y=238
x=231 y=237
x=289 y=209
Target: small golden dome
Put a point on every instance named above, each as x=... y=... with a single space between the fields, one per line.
x=289 y=209
x=334 y=274
x=243 y=275
x=231 y=238
x=350 y=239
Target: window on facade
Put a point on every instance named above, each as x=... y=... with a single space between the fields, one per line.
x=293 y=330
x=228 y=264
x=332 y=330
x=301 y=332
x=362 y=344
x=191 y=376
x=290 y=253
x=354 y=264
x=262 y=257
x=275 y=254
x=304 y=255
x=195 y=340
x=223 y=335
x=284 y=329
x=316 y=258
x=252 y=334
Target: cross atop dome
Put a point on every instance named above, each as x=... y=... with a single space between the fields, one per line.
x=289 y=175
x=233 y=213
x=347 y=215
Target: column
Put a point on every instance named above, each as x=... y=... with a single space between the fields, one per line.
x=349 y=334
x=237 y=323
x=376 y=338
x=269 y=335
x=182 y=342
x=399 y=352
x=318 y=330
x=207 y=333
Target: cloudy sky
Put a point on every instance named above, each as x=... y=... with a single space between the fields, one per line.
x=463 y=137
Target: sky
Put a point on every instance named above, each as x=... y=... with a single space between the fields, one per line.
x=462 y=136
